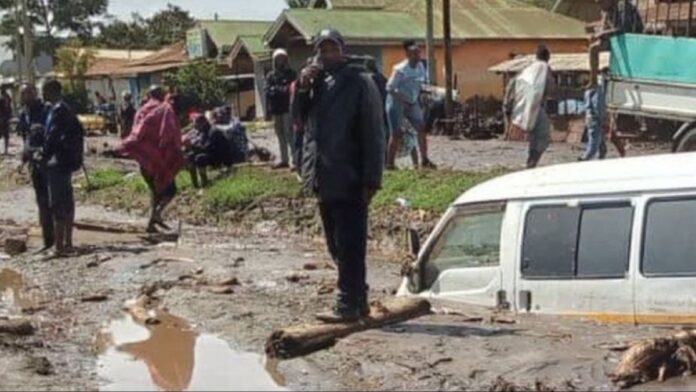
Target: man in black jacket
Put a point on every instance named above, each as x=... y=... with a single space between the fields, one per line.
x=63 y=152
x=32 y=121
x=278 y=83
x=343 y=162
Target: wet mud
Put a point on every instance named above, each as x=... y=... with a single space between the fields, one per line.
x=214 y=340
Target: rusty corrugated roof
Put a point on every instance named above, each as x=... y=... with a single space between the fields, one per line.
x=170 y=57
x=486 y=19
x=562 y=62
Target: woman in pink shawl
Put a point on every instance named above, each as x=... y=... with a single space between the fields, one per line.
x=155 y=143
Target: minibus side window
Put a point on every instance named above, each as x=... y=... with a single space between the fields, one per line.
x=669 y=245
x=586 y=242
x=468 y=241
x=550 y=239
x=605 y=242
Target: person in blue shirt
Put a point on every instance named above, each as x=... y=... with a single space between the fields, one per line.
x=403 y=101
x=595 y=118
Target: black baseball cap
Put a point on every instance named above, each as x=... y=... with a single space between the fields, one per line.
x=329 y=35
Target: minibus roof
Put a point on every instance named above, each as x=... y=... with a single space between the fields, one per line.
x=628 y=175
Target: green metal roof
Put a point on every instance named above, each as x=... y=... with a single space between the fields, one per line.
x=355 y=4
x=225 y=32
x=485 y=19
x=355 y=24
x=254 y=44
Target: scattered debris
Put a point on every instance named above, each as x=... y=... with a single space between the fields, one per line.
x=159 y=238
x=162 y=260
x=296 y=277
x=439 y=361
x=95 y=298
x=15 y=246
x=222 y=290
x=33 y=309
x=657 y=359
x=310 y=267
x=238 y=262
x=140 y=312
x=233 y=281
x=615 y=347
x=326 y=289
x=498 y=320
x=502 y=385
x=41 y=365
x=112 y=228
x=99 y=259
x=306 y=339
x=19 y=327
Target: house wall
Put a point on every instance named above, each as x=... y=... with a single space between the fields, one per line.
x=473 y=58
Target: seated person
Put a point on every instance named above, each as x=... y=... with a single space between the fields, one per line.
x=205 y=147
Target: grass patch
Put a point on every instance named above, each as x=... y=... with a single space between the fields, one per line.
x=249 y=185
x=427 y=190
x=431 y=190
x=105 y=178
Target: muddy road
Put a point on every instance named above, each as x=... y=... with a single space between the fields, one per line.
x=220 y=295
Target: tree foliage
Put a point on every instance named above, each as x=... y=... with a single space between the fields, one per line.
x=198 y=83
x=163 y=28
x=72 y=64
x=52 y=18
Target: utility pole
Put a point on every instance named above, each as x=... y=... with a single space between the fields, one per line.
x=28 y=43
x=18 y=41
x=449 y=97
x=430 y=42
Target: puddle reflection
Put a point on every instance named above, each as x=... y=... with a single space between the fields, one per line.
x=171 y=356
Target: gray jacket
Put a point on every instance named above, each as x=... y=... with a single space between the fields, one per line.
x=344 y=145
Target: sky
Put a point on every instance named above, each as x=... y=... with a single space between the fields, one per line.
x=203 y=9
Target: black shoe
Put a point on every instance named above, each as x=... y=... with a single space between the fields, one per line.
x=428 y=164
x=338 y=316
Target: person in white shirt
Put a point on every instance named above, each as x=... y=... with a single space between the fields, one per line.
x=404 y=89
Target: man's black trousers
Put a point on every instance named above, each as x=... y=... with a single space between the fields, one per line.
x=345 y=227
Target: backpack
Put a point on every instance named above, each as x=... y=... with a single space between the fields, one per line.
x=72 y=150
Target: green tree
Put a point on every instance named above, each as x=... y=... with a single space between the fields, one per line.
x=73 y=63
x=53 y=18
x=199 y=84
x=163 y=28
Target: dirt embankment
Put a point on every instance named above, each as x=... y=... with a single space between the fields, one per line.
x=292 y=214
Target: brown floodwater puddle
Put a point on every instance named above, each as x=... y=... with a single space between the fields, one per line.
x=13 y=297
x=172 y=356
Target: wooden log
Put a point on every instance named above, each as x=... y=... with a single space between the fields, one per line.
x=305 y=339
x=119 y=228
